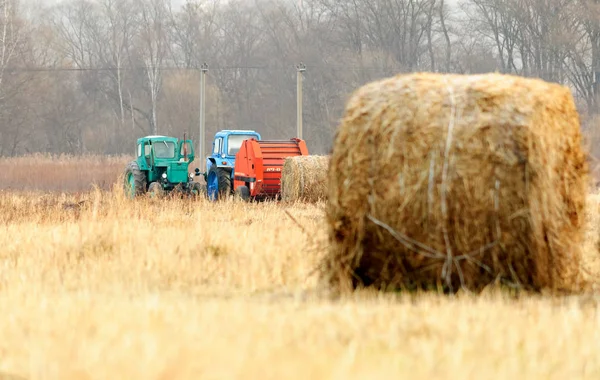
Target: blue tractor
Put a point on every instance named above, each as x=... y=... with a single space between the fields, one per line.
x=219 y=165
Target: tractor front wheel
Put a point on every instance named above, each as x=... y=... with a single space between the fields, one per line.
x=135 y=180
x=155 y=190
x=219 y=183
x=197 y=190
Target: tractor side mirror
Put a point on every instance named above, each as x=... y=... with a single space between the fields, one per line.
x=197 y=172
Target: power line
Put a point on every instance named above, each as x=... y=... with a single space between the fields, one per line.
x=126 y=68
x=175 y=68
x=291 y=69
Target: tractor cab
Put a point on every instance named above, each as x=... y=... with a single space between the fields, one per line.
x=156 y=151
x=161 y=164
x=220 y=163
x=227 y=143
x=165 y=155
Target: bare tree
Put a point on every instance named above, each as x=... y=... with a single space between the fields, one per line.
x=92 y=75
x=193 y=33
x=590 y=18
x=153 y=48
x=10 y=37
x=15 y=52
x=120 y=29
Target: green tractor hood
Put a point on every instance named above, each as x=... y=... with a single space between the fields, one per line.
x=177 y=172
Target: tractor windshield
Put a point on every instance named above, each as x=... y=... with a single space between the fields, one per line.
x=234 y=143
x=164 y=149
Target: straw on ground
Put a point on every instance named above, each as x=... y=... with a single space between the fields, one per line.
x=179 y=290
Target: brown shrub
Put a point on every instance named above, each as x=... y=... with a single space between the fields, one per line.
x=451 y=180
x=61 y=173
x=304 y=178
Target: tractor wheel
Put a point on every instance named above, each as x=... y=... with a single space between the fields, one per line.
x=243 y=193
x=134 y=180
x=219 y=183
x=198 y=190
x=178 y=191
x=155 y=190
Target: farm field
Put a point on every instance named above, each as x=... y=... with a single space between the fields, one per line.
x=94 y=286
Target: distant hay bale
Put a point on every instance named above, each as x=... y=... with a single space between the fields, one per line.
x=304 y=178
x=457 y=181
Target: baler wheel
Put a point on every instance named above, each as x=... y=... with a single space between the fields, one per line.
x=243 y=192
x=134 y=180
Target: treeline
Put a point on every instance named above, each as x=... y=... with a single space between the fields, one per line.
x=90 y=76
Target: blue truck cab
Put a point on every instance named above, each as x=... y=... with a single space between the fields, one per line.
x=220 y=163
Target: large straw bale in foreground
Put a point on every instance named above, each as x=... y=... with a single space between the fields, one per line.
x=591 y=244
x=304 y=178
x=457 y=180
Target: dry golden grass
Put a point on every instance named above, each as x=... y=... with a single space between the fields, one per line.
x=114 y=289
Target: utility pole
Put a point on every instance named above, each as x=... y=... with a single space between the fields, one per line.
x=202 y=134
x=596 y=89
x=301 y=68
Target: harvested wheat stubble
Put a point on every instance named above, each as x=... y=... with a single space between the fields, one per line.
x=457 y=181
x=304 y=178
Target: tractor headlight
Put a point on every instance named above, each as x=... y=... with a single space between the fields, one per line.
x=164 y=175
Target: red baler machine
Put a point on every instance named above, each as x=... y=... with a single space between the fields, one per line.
x=258 y=166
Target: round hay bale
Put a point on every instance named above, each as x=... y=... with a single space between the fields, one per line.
x=452 y=181
x=304 y=178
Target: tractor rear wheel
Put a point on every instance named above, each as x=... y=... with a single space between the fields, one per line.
x=219 y=183
x=134 y=183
